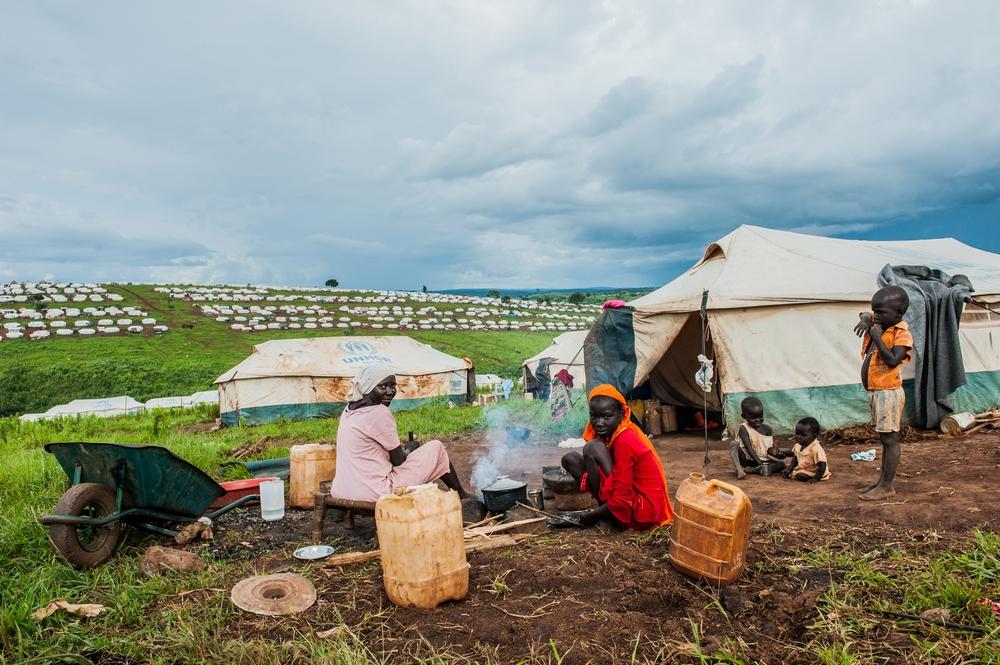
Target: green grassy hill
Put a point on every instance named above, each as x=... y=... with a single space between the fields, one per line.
x=36 y=375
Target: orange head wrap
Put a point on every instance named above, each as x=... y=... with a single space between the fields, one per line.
x=608 y=390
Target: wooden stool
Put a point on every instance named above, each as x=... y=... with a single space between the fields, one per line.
x=323 y=500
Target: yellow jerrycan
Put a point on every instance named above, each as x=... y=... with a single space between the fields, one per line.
x=711 y=527
x=309 y=465
x=421 y=538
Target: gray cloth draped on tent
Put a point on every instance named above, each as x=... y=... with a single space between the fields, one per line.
x=936 y=302
x=609 y=350
x=544 y=381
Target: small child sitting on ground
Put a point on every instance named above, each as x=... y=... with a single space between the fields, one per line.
x=754 y=445
x=808 y=462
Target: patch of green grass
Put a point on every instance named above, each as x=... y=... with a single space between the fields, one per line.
x=537 y=416
x=498 y=585
x=149 y=621
x=139 y=623
x=854 y=623
x=37 y=375
x=835 y=654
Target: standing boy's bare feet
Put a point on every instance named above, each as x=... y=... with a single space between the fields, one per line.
x=878 y=493
x=868 y=488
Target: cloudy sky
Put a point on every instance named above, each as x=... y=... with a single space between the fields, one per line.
x=474 y=144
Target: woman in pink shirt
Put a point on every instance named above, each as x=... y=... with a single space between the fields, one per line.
x=371 y=461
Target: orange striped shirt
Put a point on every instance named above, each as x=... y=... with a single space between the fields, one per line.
x=880 y=375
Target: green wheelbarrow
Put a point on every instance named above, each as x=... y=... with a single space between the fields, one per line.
x=146 y=486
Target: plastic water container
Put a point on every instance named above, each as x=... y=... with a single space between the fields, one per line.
x=309 y=465
x=955 y=423
x=423 y=548
x=709 y=536
x=272 y=500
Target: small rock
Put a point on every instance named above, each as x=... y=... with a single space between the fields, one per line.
x=160 y=560
x=473 y=510
x=732 y=599
x=936 y=614
x=199 y=529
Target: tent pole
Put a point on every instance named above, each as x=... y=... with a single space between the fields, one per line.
x=704 y=326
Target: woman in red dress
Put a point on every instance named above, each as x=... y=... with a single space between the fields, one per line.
x=619 y=467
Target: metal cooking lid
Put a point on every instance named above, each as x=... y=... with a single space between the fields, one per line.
x=503 y=483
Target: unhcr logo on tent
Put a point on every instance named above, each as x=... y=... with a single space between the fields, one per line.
x=361 y=352
x=355 y=347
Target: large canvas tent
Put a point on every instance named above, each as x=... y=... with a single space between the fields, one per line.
x=184 y=401
x=309 y=378
x=104 y=407
x=780 y=309
x=565 y=352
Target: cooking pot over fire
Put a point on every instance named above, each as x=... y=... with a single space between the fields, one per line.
x=504 y=493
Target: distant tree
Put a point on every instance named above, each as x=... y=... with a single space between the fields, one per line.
x=492 y=293
x=332 y=283
x=505 y=299
x=424 y=288
x=576 y=298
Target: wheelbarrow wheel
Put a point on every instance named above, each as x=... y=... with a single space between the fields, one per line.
x=86 y=547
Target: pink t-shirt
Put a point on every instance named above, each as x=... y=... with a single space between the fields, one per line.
x=364 y=438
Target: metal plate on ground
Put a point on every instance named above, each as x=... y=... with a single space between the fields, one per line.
x=313 y=552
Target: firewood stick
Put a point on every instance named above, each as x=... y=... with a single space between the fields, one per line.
x=491 y=518
x=500 y=541
x=542 y=512
x=349 y=558
x=502 y=527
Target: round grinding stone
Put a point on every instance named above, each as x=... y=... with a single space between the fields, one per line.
x=273 y=595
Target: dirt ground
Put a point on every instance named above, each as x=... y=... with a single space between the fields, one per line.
x=595 y=596
x=599 y=596
x=941 y=483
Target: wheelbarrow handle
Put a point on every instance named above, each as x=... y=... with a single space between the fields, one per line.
x=235 y=504
x=123 y=515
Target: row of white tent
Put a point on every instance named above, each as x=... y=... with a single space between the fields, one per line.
x=106 y=407
x=260 y=326
x=222 y=294
x=36 y=334
x=403 y=317
x=78 y=323
x=399 y=312
x=70 y=312
x=79 y=297
x=51 y=287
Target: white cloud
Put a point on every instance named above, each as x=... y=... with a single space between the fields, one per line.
x=465 y=143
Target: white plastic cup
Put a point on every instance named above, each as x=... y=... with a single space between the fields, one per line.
x=272 y=500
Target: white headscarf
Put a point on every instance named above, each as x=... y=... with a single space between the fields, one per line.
x=366 y=380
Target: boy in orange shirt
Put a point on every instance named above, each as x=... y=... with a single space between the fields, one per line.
x=885 y=346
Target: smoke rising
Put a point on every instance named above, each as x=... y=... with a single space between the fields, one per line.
x=490 y=463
